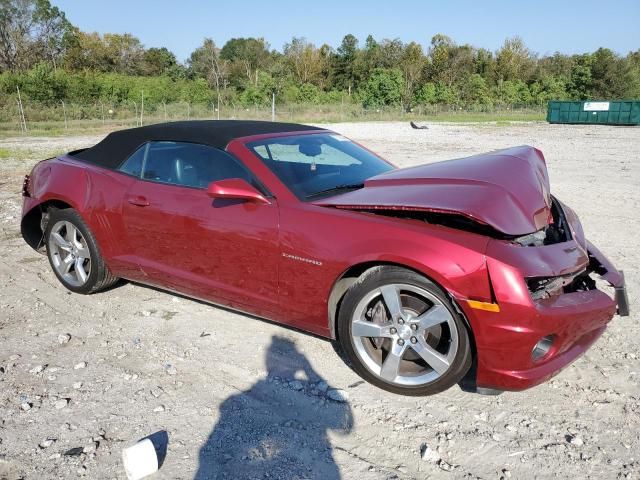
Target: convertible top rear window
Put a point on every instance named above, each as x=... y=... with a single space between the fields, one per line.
x=317 y=165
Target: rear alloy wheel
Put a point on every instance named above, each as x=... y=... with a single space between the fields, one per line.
x=401 y=333
x=73 y=253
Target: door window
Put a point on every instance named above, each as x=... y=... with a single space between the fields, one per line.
x=186 y=164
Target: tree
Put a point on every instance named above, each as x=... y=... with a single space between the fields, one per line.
x=475 y=91
x=205 y=62
x=158 y=61
x=412 y=63
x=580 y=80
x=305 y=60
x=344 y=63
x=514 y=61
x=610 y=75
x=247 y=56
x=384 y=87
x=31 y=31
x=125 y=52
x=449 y=63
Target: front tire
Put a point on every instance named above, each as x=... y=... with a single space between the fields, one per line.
x=401 y=332
x=73 y=253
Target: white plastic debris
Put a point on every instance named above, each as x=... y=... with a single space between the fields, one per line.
x=140 y=460
x=338 y=395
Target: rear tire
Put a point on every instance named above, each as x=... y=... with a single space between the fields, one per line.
x=74 y=255
x=400 y=332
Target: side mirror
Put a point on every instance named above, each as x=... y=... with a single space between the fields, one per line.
x=235 y=188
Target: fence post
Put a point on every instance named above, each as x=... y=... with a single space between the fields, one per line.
x=141 y=107
x=24 y=120
x=164 y=104
x=64 y=112
x=273 y=106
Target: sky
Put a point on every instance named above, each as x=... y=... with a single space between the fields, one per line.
x=546 y=26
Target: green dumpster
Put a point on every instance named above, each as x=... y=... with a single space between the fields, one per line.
x=602 y=112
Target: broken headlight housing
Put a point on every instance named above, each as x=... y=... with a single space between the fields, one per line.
x=556 y=232
x=544 y=287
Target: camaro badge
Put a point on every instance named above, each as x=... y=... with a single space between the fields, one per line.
x=302 y=259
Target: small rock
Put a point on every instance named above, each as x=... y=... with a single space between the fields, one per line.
x=74 y=452
x=575 y=440
x=446 y=466
x=157 y=392
x=402 y=469
x=14 y=357
x=428 y=454
x=146 y=313
x=26 y=406
x=46 y=443
x=322 y=386
x=159 y=408
x=296 y=385
x=506 y=472
x=77 y=385
x=338 y=395
x=90 y=448
x=171 y=370
x=64 y=338
x=60 y=404
x=79 y=366
x=37 y=369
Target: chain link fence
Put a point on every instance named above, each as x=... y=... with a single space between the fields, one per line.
x=30 y=116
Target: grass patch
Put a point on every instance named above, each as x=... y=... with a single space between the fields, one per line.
x=26 y=154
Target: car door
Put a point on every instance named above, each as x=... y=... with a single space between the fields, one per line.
x=220 y=250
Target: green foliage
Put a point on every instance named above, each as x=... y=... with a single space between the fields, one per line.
x=52 y=62
x=384 y=87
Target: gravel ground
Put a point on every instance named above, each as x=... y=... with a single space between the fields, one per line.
x=82 y=377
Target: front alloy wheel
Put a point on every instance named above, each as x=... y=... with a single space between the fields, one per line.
x=401 y=332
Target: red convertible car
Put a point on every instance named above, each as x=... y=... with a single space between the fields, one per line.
x=465 y=271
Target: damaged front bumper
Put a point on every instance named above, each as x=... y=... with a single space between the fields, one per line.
x=566 y=323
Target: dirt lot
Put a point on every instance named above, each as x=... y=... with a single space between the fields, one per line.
x=243 y=398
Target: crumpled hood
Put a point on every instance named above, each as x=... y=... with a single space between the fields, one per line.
x=505 y=189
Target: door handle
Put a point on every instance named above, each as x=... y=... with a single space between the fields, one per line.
x=138 y=200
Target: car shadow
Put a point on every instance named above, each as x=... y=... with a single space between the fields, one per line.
x=279 y=427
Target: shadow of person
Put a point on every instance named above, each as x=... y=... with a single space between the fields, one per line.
x=277 y=428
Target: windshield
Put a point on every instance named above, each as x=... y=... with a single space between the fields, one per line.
x=317 y=165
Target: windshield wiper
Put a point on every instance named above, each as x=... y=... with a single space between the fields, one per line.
x=337 y=188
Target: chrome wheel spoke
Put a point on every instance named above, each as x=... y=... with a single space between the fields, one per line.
x=364 y=328
x=391 y=365
x=72 y=233
x=81 y=274
x=67 y=263
x=83 y=252
x=434 y=359
x=61 y=242
x=434 y=316
x=392 y=300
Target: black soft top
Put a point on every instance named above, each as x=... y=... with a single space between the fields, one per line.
x=117 y=146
